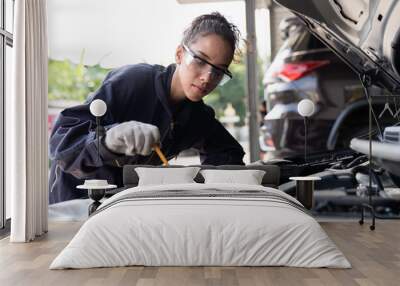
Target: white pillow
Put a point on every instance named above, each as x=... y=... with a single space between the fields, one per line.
x=248 y=177
x=162 y=176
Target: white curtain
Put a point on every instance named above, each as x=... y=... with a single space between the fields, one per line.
x=26 y=123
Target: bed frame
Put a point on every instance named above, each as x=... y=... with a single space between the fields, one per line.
x=270 y=179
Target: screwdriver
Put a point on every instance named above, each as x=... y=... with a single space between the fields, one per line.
x=161 y=155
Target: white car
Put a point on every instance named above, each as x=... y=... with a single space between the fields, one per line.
x=366 y=35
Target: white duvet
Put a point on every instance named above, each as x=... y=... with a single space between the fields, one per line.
x=206 y=230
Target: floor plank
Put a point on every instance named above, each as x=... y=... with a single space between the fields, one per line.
x=374 y=255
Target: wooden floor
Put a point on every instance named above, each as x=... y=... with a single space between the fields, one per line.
x=374 y=255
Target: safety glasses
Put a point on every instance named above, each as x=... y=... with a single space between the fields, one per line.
x=200 y=65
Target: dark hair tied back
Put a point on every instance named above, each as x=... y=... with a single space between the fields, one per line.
x=213 y=23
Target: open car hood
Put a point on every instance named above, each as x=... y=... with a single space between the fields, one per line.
x=364 y=33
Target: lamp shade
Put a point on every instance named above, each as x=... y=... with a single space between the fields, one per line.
x=306 y=107
x=98 y=107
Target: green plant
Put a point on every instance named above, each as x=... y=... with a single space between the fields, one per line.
x=69 y=81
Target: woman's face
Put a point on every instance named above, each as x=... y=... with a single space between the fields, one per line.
x=197 y=77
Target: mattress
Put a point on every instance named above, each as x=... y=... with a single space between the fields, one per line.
x=201 y=225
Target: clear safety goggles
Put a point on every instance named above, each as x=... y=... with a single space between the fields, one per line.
x=217 y=74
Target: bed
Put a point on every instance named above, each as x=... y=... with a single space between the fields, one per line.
x=201 y=224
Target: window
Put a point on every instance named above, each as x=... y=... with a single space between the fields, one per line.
x=6 y=44
x=9 y=17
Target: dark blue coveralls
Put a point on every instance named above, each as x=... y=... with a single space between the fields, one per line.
x=135 y=92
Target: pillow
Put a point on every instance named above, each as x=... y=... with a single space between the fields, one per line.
x=162 y=176
x=248 y=177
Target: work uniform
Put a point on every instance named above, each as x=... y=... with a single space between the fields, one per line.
x=135 y=92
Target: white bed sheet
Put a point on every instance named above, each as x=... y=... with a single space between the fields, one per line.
x=200 y=231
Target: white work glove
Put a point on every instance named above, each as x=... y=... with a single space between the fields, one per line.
x=132 y=137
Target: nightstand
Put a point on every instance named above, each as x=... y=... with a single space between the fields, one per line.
x=305 y=190
x=96 y=191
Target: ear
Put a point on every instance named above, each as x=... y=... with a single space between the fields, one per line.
x=179 y=54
